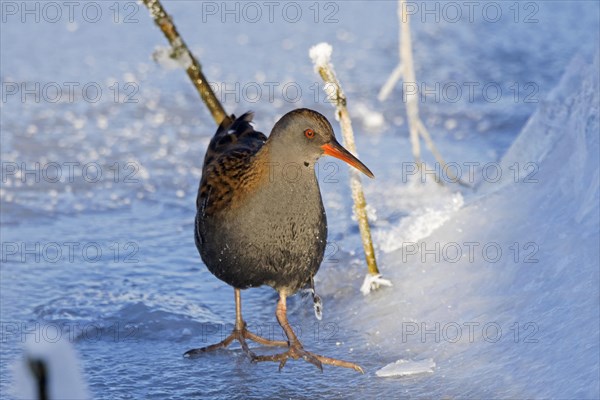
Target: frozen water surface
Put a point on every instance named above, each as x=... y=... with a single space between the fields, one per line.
x=521 y=325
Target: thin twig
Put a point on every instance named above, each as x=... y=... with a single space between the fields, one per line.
x=429 y=143
x=408 y=72
x=193 y=67
x=388 y=86
x=405 y=69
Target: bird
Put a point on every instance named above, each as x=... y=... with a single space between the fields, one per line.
x=260 y=218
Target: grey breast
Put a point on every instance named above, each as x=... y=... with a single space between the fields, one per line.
x=281 y=231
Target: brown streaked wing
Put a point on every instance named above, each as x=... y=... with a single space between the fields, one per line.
x=230 y=165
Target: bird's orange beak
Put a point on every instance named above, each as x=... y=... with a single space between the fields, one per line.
x=336 y=150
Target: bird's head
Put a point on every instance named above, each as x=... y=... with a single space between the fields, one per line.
x=305 y=135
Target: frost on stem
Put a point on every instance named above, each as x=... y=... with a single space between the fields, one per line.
x=317 y=302
x=173 y=57
x=318 y=306
x=373 y=282
x=321 y=57
x=182 y=56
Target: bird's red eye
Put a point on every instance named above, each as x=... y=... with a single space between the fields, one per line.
x=309 y=133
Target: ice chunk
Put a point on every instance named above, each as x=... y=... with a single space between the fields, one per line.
x=406 y=368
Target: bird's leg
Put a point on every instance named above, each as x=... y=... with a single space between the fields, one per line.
x=295 y=349
x=239 y=333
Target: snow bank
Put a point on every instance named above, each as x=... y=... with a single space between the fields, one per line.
x=520 y=319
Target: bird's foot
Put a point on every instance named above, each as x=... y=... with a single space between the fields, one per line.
x=240 y=335
x=296 y=351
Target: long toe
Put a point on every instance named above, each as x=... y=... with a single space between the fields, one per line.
x=313 y=360
x=193 y=353
x=261 y=340
x=245 y=347
x=282 y=363
x=295 y=353
x=273 y=357
x=339 y=363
